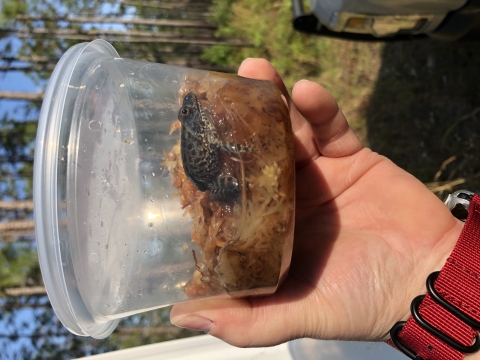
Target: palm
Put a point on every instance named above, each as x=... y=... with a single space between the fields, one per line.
x=357 y=223
x=367 y=235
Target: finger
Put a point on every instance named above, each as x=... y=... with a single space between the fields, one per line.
x=333 y=135
x=305 y=146
x=261 y=69
x=242 y=322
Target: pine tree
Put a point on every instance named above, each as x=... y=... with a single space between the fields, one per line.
x=45 y=30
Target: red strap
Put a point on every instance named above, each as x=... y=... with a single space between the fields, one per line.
x=459 y=284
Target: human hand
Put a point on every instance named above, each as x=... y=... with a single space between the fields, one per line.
x=367 y=236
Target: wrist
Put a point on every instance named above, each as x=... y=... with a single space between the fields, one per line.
x=445 y=321
x=428 y=262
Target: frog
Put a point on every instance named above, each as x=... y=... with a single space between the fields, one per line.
x=201 y=151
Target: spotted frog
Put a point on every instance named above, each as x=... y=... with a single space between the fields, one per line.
x=201 y=151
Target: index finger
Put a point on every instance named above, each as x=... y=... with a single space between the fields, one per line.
x=319 y=125
x=333 y=135
x=305 y=147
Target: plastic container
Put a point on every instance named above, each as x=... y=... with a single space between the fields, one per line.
x=135 y=210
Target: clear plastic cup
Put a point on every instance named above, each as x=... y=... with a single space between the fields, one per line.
x=135 y=209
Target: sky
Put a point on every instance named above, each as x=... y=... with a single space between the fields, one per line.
x=18 y=81
x=14 y=81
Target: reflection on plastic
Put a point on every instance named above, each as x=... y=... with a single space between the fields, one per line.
x=310 y=349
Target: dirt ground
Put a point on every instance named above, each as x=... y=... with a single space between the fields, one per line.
x=416 y=102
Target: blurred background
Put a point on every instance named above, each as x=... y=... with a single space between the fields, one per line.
x=415 y=101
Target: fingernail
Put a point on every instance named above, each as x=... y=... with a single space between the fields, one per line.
x=195 y=323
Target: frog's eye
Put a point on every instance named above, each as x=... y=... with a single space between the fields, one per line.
x=185 y=111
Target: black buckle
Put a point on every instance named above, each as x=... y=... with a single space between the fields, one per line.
x=432 y=330
x=440 y=335
x=446 y=305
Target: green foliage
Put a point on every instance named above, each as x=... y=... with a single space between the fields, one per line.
x=222 y=12
x=11 y=8
x=17 y=136
x=16 y=157
x=18 y=265
x=266 y=26
x=222 y=55
x=42 y=336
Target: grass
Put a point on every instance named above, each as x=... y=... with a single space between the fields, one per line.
x=266 y=26
x=416 y=102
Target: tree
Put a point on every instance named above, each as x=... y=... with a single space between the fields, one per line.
x=15 y=95
x=18 y=267
x=35 y=35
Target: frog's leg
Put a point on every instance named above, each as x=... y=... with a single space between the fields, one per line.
x=200 y=185
x=230 y=147
x=225 y=188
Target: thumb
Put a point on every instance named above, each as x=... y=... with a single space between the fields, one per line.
x=241 y=322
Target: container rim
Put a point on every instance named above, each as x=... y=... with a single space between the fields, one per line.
x=52 y=245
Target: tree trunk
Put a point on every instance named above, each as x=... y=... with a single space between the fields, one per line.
x=25 y=291
x=20 y=227
x=16 y=205
x=28 y=68
x=16 y=95
x=230 y=42
x=177 y=5
x=38 y=336
x=180 y=40
x=16 y=306
x=172 y=6
x=32 y=58
x=94 y=33
x=18 y=238
x=89 y=20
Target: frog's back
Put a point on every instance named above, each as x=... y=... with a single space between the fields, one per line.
x=201 y=152
x=200 y=158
